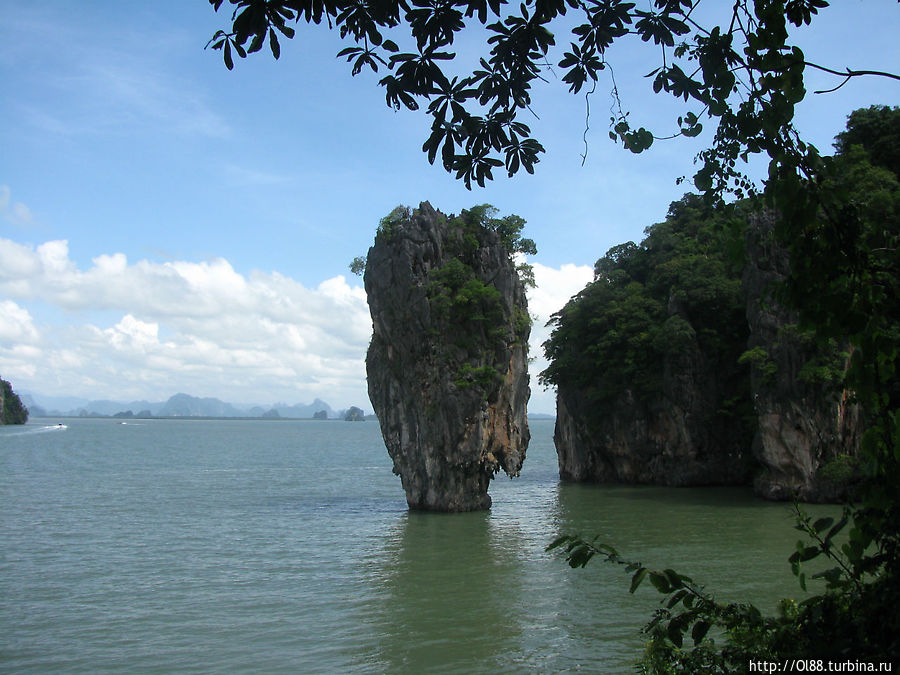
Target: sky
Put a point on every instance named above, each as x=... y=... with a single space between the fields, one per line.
x=169 y=226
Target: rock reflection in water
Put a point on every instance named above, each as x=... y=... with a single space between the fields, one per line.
x=450 y=594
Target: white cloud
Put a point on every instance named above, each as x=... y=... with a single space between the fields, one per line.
x=18 y=341
x=16 y=324
x=199 y=327
x=554 y=287
x=146 y=329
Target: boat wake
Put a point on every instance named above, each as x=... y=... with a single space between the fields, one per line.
x=38 y=430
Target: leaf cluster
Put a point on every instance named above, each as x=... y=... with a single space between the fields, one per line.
x=458 y=297
x=509 y=227
x=739 y=72
x=387 y=226
x=692 y=632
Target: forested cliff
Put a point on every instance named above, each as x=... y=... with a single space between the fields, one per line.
x=12 y=411
x=676 y=365
x=683 y=363
x=646 y=359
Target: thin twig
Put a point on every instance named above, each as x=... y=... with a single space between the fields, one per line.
x=853 y=73
x=587 y=121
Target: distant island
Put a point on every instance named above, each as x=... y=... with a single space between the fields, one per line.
x=354 y=414
x=182 y=405
x=12 y=411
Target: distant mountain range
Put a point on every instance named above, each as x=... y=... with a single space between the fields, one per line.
x=179 y=405
x=182 y=405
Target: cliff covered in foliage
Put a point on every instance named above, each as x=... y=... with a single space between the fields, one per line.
x=678 y=366
x=12 y=411
x=447 y=365
x=714 y=353
x=645 y=360
x=808 y=425
x=683 y=363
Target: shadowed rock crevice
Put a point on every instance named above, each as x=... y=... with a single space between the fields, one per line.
x=808 y=430
x=447 y=365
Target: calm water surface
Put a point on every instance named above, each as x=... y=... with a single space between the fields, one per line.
x=286 y=546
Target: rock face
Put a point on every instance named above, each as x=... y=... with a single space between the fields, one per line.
x=447 y=365
x=793 y=434
x=805 y=426
x=676 y=438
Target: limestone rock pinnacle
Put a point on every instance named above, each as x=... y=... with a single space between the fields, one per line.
x=447 y=365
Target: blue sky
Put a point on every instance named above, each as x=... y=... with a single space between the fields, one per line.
x=167 y=225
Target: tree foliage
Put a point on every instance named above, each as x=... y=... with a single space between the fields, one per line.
x=854 y=619
x=12 y=410
x=680 y=286
x=739 y=71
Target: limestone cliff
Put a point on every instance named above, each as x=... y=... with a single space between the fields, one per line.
x=645 y=361
x=807 y=428
x=447 y=365
x=737 y=395
x=674 y=437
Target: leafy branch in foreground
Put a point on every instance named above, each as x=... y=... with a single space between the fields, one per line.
x=738 y=70
x=693 y=632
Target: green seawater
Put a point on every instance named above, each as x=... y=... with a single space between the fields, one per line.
x=286 y=547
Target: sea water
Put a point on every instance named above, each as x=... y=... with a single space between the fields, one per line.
x=286 y=547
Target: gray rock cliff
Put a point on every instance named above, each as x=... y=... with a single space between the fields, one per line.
x=786 y=426
x=674 y=438
x=807 y=429
x=447 y=364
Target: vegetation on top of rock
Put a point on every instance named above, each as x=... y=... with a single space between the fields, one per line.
x=464 y=306
x=387 y=225
x=482 y=216
x=681 y=284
